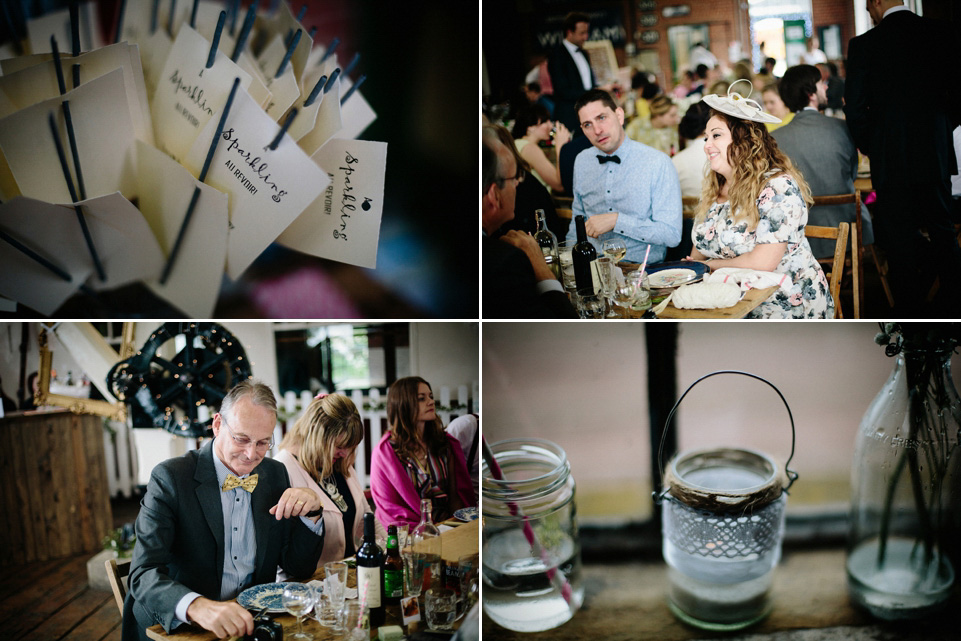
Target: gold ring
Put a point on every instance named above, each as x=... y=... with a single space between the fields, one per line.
x=299 y=502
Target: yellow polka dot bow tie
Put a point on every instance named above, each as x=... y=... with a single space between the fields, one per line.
x=232 y=481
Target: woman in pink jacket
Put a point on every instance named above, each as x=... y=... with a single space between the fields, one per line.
x=417 y=460
x=319 y=453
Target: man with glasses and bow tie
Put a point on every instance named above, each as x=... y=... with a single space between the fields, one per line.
x=218 y=520
x=624 y=188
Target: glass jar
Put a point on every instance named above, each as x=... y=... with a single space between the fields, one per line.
x=905 y=522
x=531 y=570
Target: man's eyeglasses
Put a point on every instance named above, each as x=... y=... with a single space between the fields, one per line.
x=244 y=441
x=519 y=177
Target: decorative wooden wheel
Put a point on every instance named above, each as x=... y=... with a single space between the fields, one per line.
x=167 y=393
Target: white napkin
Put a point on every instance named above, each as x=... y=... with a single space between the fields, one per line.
x=706 y=295
x=747 y=279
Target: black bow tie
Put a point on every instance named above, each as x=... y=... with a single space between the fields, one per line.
x=604 y=159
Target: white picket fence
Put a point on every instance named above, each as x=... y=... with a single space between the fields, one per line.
x=124 y=462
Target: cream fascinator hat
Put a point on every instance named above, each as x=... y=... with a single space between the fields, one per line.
x=738 y=106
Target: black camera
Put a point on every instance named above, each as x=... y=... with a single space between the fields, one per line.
x=266 y=629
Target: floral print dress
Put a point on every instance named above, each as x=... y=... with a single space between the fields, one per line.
x=783 y=216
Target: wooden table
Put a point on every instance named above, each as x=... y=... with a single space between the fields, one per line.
x=750 y=301
x=455 y=543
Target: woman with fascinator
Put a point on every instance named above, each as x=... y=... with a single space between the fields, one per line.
x=319 y=453
x=416 y=459
x=753 y=208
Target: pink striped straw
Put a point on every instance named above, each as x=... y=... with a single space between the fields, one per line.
x=557 y=578
x=643 y=267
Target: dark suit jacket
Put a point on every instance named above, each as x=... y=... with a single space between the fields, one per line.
x=901 y=98
x=568 y=86
x=822 y=149
x=180 y=538
x=510 y=288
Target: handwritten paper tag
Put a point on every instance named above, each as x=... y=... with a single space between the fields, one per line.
x=188 y=94
x=167 y=188
x=268 y=188
x=343 y=224
x=105 y=139
x=51 y=231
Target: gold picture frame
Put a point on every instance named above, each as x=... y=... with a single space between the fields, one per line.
x=114 y=411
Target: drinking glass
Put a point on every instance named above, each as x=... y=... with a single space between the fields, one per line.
x=589 y=304
x=355 y=623
x=615 y=248
x=334 y=585
x=605 y=272
x=441 y=606
x=467 y=567
x=566 y=259
x=642 y=292
x=623 y=297
x=298 y=599
x=415 y=565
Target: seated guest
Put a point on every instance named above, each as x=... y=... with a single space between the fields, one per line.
x=625 y=189
x=319 y=452
x=753 y=210
x=218 y=520
x=822 y=149
x=466 y=429
x=565 y=162
x=517 y=283
x=660 y=130
x=774 y=105
x=416 y=459
x=531 y=196
x=690 y=163
x=532 y=90
x=532 y=127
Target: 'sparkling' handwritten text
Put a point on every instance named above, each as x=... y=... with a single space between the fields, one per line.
x=256 y=163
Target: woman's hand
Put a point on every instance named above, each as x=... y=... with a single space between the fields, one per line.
x=562 y=136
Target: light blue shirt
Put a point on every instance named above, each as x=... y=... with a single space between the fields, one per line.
x=240 y=541
x=643 y=189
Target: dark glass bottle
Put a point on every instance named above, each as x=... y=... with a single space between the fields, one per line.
x=393 y=569
x=583 y=255
x=547 y=241
x=370 y=571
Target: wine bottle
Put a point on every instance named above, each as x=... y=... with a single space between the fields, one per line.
x=547 y=241
x=427 y=543
x=370 y=565
x=393 y=569
x=583 y=255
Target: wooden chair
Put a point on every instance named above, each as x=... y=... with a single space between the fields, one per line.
x=567 y=214
x=840 y=235
x=117 y=575
x=857 y=248
x=689 y=206
x=562 y=202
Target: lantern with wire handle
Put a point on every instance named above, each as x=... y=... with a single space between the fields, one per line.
x=723 y=522
x=174 y=394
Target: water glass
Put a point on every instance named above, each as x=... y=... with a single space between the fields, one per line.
x=415 y=566
x=355 y=623
x=564 y=255
x=589 y=304
x=333 y=595
x=441 y=606
x=467 y=571
x=608 y=281
x=642 y=292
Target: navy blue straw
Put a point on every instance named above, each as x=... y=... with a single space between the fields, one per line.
x=180 y=236
x=290 y=52
x=302 y=12
x=170 y=18
x=75 y=26
x=120 y=14
x=330 y=81
x=353 y=88
x=352 y=64
x=315 y=91
x=290 y=118
x=153 y=16
x=58 y=65
x=234 y=10
x=245 y=31
x=215 y=44
x=330 y=50
x=220 y=130
x=193 y=15
x=312 y=32
x=35 y=256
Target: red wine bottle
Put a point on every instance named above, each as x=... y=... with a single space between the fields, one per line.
x=583 y=255
x=370 y=572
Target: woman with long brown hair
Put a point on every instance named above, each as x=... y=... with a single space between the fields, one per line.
x=753 y=208
x=319 y=452
x=417 y=460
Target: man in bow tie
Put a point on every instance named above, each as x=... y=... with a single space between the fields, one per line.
x=625 y=188
x=218 y=520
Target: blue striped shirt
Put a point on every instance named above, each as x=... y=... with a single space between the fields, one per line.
x=643 y=189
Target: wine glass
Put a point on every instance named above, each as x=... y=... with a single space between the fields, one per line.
x=605 y=272
x=298 y=600
x=615 y=248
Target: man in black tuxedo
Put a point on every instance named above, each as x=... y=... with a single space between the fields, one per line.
x=517 y=283
x=905 y=129
x=570 y=69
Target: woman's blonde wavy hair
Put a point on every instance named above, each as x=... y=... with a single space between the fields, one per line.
x=753 y=154
x=329 y=422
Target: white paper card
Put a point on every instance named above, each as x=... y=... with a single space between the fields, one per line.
x=57 y=23
x=356 y=113
x=105 y=139
x=188 y=94
x=343 y=224
x=327 y=123
x=167 y=187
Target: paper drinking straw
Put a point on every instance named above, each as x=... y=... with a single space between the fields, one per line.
x=180 y=237
x=280 y=134
x=643 y=267
x=34 y=255
x=68 y=120
x=315 y=91
x=193 y=15
x=353 y=88
x=245 y=31
x=170 y=18
x=330 y=50
x=557 y=578
x=330 y=81
x=289 y=53
x=363 y=602
x=215 y=43
x=353 y=63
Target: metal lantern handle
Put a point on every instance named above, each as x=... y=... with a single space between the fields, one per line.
x=792 y=475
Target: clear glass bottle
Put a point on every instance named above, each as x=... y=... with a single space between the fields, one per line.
x=547 y=241
x=905 y=523
x=427 y=545
x=531 y=555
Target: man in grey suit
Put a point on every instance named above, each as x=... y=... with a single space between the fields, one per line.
x=218 y=520
x=822 y=148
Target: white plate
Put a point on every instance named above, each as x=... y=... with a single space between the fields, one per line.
x=258 y=597
x=671 y=277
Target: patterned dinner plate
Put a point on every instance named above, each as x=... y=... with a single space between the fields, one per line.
x=258 y=597
x=466 y=514
x=676 y=273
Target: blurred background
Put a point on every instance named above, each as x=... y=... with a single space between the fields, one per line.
x=421 y=65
